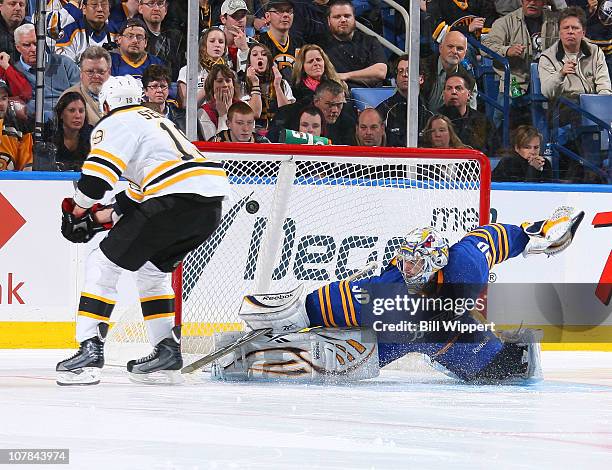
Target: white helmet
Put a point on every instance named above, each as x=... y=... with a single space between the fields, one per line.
x=120 y=91
x=423 y=252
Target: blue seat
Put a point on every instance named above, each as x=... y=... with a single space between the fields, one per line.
x=490 y=84
x=370 y=97
x=599 y=106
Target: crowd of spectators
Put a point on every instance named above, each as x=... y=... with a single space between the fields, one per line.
x=267 y=67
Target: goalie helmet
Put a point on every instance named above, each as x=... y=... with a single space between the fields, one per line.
x=604 y=12
x=120 y=91
x=423 y=252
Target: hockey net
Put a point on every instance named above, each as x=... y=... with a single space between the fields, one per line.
x=310 y=215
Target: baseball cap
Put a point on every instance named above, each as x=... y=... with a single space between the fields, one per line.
x=230 y=7
x=276 y=3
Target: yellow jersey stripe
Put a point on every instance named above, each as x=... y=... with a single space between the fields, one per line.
x=492 y=245
x=500 y=248
x=134 y=195
x=159 y=315
x=183 y=176
x=98 y=297
x=101 y=171
x=322 y=305
x=92 y=315
x=157 y=297
x=505 y=237
x=109 y=156
x=438 y=30
x=350 y=302
x=165 y=167
x=329 y=307
x=343 y=297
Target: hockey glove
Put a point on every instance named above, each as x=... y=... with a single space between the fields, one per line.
x=553 y=235
x=81 y=229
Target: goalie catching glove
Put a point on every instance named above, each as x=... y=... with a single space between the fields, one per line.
x=81 y=229
x=553 y=235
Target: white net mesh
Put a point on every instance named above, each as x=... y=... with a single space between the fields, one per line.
x=336 y=215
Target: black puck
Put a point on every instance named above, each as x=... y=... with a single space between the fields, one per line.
x=252 y=207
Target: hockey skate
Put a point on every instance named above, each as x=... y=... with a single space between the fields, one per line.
x=85 y=367
x=163 y=365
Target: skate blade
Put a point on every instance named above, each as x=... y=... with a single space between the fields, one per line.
x=161 y=377
x=84 y=376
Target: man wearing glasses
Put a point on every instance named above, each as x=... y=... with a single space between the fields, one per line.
x=91 y=29
x=167 y=44
x=95 y=70
x=132 y=58
x=284 y=46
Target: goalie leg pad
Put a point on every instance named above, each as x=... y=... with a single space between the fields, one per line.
x=315 y=355
x=553 y=235
x=283 y=312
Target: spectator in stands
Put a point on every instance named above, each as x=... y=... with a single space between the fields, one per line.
x=359 y=59
x=330 y=98
x=69 y=132
x=394 y=109
x=472 y=126
x=209 y=14
x=521 y=36
x=156 y=83
x=91 y=29
x=19 y=86
x=452 y=52
x=599 y=25
x=503 y=7
x=15 y=145
x=311 y=121
x=95 y=70
x=167 y=44
x=234 y=17
x=472 y=17
x=221 y=91
x=241 y=126
x=213 y=50
x=440 y=133
x=12 y=15
x=311 y=66
x=283 y=45
x=267 y=89
x=525 y=164
x=572 y=65
x=370 y=129
x=60 y=72
x=132 y=57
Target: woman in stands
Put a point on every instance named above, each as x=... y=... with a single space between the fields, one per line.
x=213 y=50
x=221 y=90
x=69 y=132
x=265 y=86
x=311 y=66
x=525 y=164
x=439 y=132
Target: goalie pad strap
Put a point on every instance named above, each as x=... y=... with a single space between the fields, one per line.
x=315 y=355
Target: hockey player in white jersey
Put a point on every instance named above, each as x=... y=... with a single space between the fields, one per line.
x=172 y=205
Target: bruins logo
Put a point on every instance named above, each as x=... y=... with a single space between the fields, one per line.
x=97 y=137
x=6 y=162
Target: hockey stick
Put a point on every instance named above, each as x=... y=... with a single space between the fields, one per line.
x=368 y=268
x=244 y=339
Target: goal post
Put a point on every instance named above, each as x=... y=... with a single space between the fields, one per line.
x=311 y=215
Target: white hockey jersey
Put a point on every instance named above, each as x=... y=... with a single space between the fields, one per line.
x=153 y=155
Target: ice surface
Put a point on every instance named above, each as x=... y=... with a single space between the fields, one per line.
x=401 y=420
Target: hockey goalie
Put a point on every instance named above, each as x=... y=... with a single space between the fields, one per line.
x=325 y=334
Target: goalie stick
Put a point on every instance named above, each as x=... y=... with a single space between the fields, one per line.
x=244 y=339
x=254 y=334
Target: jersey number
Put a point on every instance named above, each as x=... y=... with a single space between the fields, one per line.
x=179 y=140
x=484 y=247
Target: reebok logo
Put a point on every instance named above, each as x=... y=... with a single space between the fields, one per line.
x=276 y=297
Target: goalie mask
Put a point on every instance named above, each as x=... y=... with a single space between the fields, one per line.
x=423 y=252
x=120 y=91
